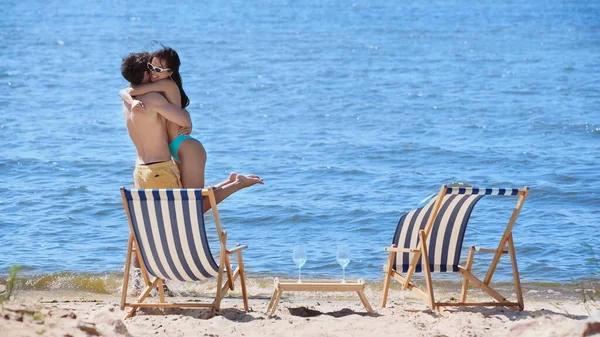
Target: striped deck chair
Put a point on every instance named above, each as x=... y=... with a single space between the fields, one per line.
x=434 y=233
x=168 y=235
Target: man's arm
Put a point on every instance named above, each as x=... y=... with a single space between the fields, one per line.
x=157 y=102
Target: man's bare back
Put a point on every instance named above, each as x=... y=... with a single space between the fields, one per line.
x=148 y=131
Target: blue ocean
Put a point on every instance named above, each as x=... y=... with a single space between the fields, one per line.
x=351 y=111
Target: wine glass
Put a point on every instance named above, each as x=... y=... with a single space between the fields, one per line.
x=299 y=257
x=343 y=258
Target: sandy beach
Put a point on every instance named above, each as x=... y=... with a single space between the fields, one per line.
x=548 y=312
x=352 y=112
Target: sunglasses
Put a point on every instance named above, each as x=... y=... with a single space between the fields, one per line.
x=156 y=69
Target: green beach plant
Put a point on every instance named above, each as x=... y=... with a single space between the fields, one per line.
x=11 y=284
x=591 y=296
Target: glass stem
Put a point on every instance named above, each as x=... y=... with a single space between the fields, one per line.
x=344 y=274
x=299 y=274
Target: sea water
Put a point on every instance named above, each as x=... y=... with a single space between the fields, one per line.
x=351 y=111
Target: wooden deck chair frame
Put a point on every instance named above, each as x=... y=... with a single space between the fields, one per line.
x=505 y=246
x=151 y=283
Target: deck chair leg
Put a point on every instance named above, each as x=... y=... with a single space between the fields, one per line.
x=131 y=312
x=517 y=280
x=229 y=272
x=387 y=279
x=277 y=298
x=210 y=314
x=364 y=301
x=271 y=302
x=161 y=291
x=243 y=280
x=425 y=264
x=126 y=272
x=468 y=267
x=220 y=292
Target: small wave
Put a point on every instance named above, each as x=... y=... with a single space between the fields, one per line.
x=520 y=92
x=364 y=230
x=72 y=190
x=354 y=172
x=106 y=283
x=476 y=126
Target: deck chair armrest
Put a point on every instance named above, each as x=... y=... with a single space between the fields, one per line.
x=236 y=249
x=400 y=250
x=488 y=250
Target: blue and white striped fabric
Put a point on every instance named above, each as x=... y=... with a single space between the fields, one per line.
x=445 y=240
x=482 y=191
x=169 y=227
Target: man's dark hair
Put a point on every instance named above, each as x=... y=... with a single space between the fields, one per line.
x=134 y=66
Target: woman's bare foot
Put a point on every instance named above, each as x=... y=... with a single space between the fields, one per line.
x=231 y=179
x=249 y=180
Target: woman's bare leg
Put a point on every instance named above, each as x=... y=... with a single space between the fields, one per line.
x=227 y=189
x=193 y=162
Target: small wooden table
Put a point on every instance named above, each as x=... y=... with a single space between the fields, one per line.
x=317 y=285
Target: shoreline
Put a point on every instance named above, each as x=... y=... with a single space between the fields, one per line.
x=61 y=312
x=110 y=283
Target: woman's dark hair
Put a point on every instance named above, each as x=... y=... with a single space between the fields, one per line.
x=169 y=55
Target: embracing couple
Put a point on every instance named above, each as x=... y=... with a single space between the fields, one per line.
x=160 y=127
